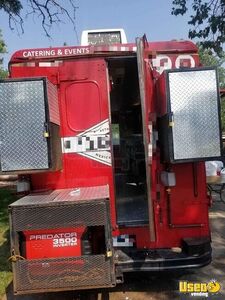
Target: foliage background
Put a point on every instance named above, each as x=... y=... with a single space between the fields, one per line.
x=3 y=73
x=208 y=58
x=206 y=21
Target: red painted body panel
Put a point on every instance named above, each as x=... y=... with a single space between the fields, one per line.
x=53 y=104
x=84 y=75
x=66 y=52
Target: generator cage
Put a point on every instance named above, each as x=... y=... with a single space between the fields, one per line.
x=61 y=209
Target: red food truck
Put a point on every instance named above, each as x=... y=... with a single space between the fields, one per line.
x=109 y=141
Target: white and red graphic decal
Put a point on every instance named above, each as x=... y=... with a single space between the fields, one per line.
x=93 y=143
x=164 y=62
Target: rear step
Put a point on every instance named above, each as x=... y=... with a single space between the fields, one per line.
x=164 y=259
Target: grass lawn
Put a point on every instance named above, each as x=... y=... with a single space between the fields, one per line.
x=6 y=197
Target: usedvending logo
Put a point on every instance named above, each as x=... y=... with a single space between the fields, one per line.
x=199 y=289
x=58 y=239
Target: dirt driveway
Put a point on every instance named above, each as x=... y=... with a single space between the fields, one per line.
x=163 y=286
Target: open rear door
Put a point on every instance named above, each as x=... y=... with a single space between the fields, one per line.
x=143 y=66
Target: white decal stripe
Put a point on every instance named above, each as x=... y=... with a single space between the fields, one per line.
x=100 y=156
x=104 y=125
x=93 y=143
x=113 y=48
x=45 y=64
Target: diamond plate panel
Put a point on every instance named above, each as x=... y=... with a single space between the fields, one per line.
x=64 y=195
x=22 y=118
x=194 y=104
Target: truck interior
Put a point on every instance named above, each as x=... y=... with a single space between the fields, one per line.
x=127 y=141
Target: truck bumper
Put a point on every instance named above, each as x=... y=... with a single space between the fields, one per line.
x=195 y=253
x=164 y=263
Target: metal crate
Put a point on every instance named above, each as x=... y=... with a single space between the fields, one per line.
x=82 y=207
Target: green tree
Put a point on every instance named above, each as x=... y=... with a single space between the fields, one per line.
x=207 y=21
x=223 y=113
x=3 y=73
x=48 y=12
x=207 y=58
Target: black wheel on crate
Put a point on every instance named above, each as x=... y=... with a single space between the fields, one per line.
x=104 y=295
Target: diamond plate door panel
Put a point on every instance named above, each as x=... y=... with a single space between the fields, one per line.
x=22 y=121
x=194 y=103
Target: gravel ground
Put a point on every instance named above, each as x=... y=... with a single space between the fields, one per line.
x=162 y=286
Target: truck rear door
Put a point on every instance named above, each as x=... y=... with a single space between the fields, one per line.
x=146 y=87
x=85 y=131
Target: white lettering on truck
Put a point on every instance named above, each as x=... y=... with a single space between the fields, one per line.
x=55 y=52
x=39 y=53
x=58 y=239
